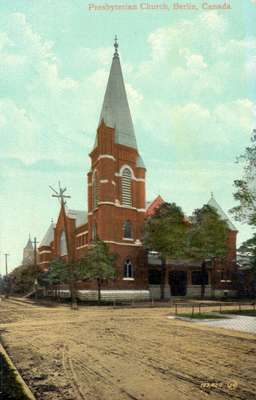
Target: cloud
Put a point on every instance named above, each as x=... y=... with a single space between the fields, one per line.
x=226 y=123
x=203 y=74
x=196 y=62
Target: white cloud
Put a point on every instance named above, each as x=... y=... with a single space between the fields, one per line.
x=196 y=62
x=134 y=96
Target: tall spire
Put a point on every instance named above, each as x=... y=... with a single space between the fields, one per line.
x=116 y=47
x=29 y=243
x=115 y=110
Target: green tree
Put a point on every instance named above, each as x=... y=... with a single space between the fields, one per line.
x=98 y=264
x=247 y=257
x=166 y=232
x=207 y=238
x=63 y=272
x=22 y=279
x=245 y=193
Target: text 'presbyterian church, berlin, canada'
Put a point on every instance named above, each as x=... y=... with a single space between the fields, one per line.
x=117 y=210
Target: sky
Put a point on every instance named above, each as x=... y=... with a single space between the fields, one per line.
x=190 y=80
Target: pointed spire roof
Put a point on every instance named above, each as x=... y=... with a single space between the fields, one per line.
x=29 y=243
x=213 y=203
x=115 y=110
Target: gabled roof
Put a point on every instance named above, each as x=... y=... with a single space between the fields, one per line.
x=153 y=205
x=49 y=236
x=115 y=110
x=80 y=216
x=213 y=203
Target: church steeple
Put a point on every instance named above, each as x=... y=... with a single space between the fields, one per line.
x=28 y=253
x=115 y=112
x=29 y=245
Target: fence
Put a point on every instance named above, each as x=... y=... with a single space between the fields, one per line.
x=209 y=307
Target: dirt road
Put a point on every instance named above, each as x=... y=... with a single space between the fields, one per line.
x=122 y=354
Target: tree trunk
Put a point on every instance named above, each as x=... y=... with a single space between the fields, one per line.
x=203 y=270
x=99 y=290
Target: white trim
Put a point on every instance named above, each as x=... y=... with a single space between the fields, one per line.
x=44 y=262
x=103 y=180
x=44 y=252
x=113 y=183
x=121 y=206
x=82 y=233
x=139 y=179
x=106 y=202
x=123 y=168
x=133 y=178
x=90 y=213
x=123 y=244
x=117 y=205
x=129 y=239
x=106 y=156
x=128 y=279
x=81 y=247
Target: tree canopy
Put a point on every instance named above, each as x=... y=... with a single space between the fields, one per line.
x=245 y=193
x=22 y=278
x=247 y=254
x=98 y=264
x=165 y=232
x=208 y=233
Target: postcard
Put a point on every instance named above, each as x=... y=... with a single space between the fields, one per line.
x=127 y=189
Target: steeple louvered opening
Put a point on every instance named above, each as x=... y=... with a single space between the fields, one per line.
x=127 y=187
x=95 y=190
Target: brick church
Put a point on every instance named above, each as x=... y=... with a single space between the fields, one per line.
x=117 y=209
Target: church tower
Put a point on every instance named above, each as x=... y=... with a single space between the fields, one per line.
x=28 y=253
x=116 y=183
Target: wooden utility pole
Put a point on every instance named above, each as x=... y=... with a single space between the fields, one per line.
x=61 y=196
x=35 y=267
x=6 y=275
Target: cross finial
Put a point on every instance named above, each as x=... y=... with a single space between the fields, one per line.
x=212 y=195
x=116 y=47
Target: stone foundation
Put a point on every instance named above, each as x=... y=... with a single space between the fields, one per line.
x=106 y=295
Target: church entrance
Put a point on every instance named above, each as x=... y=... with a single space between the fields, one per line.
x=178 y=283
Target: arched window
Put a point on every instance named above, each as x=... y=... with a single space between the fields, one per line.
x=127 y=187
x=95 y=191
x=128 y=269
x=127 y=228
x=63 y=244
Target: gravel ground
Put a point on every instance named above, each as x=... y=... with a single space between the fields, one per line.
x=119 y=354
